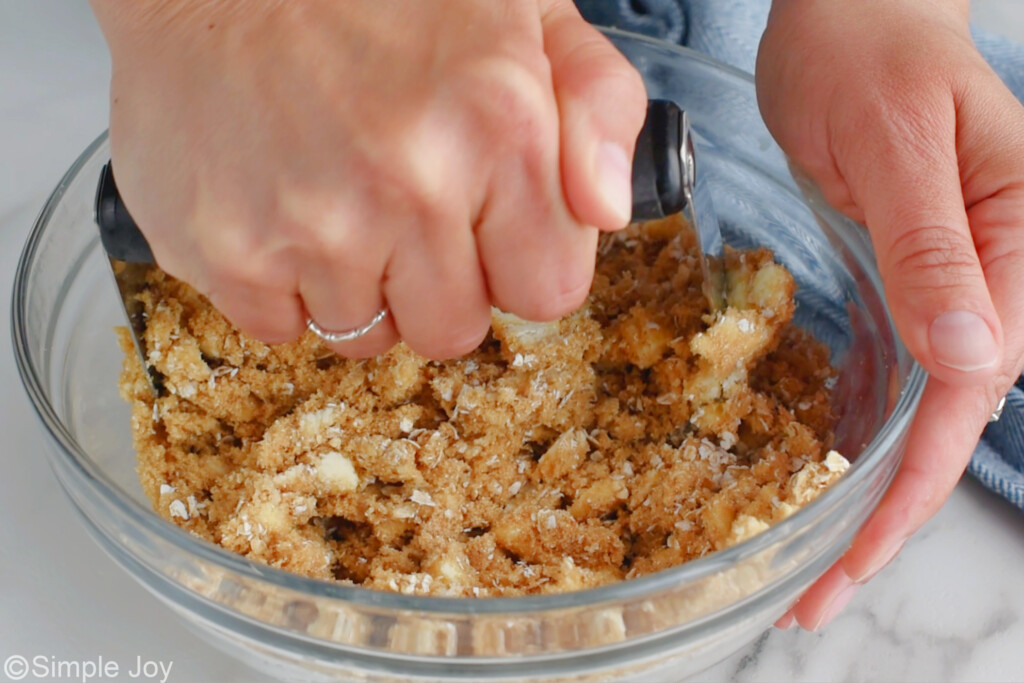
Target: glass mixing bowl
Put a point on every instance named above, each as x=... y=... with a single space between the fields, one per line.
x=659 y=627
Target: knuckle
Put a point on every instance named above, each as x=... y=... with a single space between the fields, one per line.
x=525 y=51
x=608 y=72
x=1002 y=255
x=334 y=247
x=215 y=243
x=233 y=257
x=337 y=244
x=416 y=198
x=316 y=223
x=512 y=104
x=409 y=178
x=411 y=189
x=942 y=255
x=1004 y=380
x=232 y=273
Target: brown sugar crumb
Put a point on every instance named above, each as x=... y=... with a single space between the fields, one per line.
x=633 y=435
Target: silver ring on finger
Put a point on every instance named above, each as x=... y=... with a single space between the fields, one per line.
x=345 y=335
x=998 y=412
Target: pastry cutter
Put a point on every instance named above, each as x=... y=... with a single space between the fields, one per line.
x=665 y=182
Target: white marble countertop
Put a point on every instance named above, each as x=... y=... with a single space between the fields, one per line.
x=950 y=608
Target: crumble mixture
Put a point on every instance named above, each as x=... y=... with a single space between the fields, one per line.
x=636 y=434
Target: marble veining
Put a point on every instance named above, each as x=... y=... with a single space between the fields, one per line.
x=947 y=609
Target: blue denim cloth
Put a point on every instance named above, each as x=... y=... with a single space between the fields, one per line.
x=729 y=30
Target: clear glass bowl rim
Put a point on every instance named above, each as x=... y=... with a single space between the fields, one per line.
x=632 y=589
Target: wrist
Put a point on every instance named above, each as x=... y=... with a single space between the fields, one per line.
x=135 y=26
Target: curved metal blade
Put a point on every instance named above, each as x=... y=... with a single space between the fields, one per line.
x=700 y=211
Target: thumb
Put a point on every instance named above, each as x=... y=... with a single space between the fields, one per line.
x=601 y=104
x=906 y=178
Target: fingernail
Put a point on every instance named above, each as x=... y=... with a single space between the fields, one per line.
x=963 y=341
x=841 y=600
x=880 y=564
x=614 y=178
x=786 y=621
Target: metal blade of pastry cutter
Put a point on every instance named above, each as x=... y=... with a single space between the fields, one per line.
x=130 y=259
x=702 y=216
x=666 y=181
